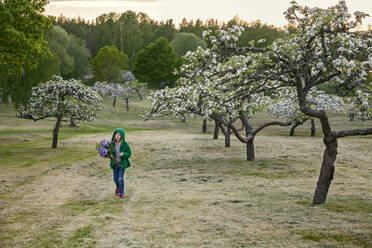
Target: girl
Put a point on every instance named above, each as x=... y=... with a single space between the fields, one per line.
x=120 y=160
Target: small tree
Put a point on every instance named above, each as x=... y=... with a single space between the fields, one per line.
x=114 y=90
x=108 y=66
x=361 y=105
x=61 y=99
x=155 y=64
x=137 y=87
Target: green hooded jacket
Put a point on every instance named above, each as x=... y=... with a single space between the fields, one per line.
x=124 y=148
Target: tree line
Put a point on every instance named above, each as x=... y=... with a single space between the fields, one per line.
x=67 y=46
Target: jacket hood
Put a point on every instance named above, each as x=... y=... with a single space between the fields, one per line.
x=122 y=132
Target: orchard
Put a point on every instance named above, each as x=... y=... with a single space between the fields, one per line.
x=230 y=134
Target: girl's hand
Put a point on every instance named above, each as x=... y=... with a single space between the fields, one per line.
x=121 y=154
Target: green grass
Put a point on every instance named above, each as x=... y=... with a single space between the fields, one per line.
x=82 y=237
x=50 y=237
x=349 y=204
x=341 y=239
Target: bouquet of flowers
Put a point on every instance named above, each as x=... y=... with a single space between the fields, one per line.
x=105 y=148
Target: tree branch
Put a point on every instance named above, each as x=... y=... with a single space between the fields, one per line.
x=222 y=129
x=320 y=81
x=236 y=132
x=30 y=117
x=272 y=123
x=356 y=132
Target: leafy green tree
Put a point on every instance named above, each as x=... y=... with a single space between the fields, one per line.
x=146 y=27
x=155 y=64
x=19 y=86
x=109 y=64
x=103 y=36
x=256 y=30
x=128 y=35
x=76 y=26
x=22 y=28
x=166 y=29
x=59 y=43
x=81 y=56
x=23 y=47
x=184 y=42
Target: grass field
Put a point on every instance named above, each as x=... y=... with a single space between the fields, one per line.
x=184 y=189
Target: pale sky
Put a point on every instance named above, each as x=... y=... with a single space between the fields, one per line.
x=268 y=11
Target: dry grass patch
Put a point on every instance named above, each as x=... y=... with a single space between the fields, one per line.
x=184 y=188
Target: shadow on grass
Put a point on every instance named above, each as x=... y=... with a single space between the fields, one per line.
x=341 y=238
x=343 y=205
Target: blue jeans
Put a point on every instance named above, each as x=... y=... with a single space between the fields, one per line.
x=119 y=178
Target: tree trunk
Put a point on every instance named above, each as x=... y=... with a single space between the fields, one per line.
x=55 y=132
x=127 y=104
x=250 y=138
x=139 y=94
x=72 y=122
x=326 y=171
x=312 y=127
x=114 y=102
x=250 y=150
x=227 y=137
x=227 y=133
x=204 y=126
x=216 y=129
x=297 y=123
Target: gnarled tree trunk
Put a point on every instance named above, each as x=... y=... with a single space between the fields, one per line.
x=249 y=138
x=227 y=134
x=250 y=150
x=250 y=133
x=327 y=170
x=55 y=132
x=330 y=153
x=296 y=124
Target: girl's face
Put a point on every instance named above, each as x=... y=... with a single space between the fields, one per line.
x=117 y=136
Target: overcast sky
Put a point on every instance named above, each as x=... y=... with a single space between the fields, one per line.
x=269 y=11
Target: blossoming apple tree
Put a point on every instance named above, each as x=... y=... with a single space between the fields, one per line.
x=361 y=105
x=204 y=89
x=61 y=98
x=324 y=50
x=115 y=90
